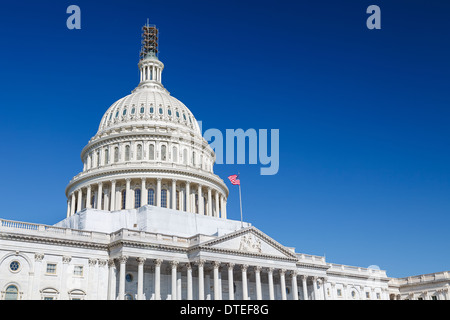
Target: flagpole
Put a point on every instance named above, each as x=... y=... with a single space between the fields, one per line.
x=240 y=200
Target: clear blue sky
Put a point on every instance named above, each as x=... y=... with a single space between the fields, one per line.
x=363 y=114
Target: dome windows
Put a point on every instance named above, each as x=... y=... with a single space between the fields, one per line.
x=177 y=114
x=184 y=117
x=152 y=110
x=161 y=111
x=117 y=114
x=169 y=112
x=142 y=110
x=124 y=112
x=133 y=111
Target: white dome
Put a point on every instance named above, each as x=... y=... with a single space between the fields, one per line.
x=148 y=107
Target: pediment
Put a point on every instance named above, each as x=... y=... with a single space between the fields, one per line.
x=249 y=241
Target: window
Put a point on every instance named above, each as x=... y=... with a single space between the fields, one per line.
x=185 y=159
x=164 y=198
x=151 y=197
x=124 y=199
x=51 y=268
x=433 y=298
x=76 y=294
x=142 y=109
x=117 y=114
x=368 y=295
x=12 y=293
x=129 y=277
x=139 y=152
x=175 y=154
x=49 y=294
x=116 y=154
x=128 y=297
x=98 y=159
x=124 y=112
x=93 y=201
x=193 y=158
x=152 y=152
x=163 y=153
x=78 y=271
x=127 y=153
x=184 y=117
x=178 y=200
x=420 y=298
x=169 y=112
x=137 y=198
x=178 y=114
x=161 y=111
x=196 y=203
x=152 y=110
x=353 y=294
x=133 y=111
x=106 y=156
x=378 y=296
x=339 y=292
x=14 y=266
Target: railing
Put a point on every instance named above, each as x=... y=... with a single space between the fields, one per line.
x=39 y=228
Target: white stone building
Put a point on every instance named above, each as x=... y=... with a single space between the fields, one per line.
x=146 y=219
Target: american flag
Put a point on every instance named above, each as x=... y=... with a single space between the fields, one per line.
x=234 y=180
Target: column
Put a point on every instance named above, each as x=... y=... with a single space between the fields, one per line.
x=283 y=284
x=270 y=278
x=99 y=195
x=63 y=285
x=224 y=209
x=144 y=193
x=216 y=195
x=200 y=200
x=158 y=192
x=38 y=257
x=158 y=263
x=68 y=208
x=112 y=280
x=294 y=285
x=188 y=197
x=189 y=282
x=216 y=265
x=209 y=202
x=333 y=291
x=230 y=281
x=325 y=290
x=113 y=195
x=244 y=282
x=123 y=261
x=305 y=287
x=201 y=286
x=140 y=284
x=72 y=204
x=258 y=282
x=316 y=292
x=174 y=265
x=88 y=197
x=91 y=291
x=128 y=194
x=174 y=194
x=80 y=197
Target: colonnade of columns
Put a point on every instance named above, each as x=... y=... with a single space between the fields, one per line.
x=150 y=72
x=221 y=273
x=134 y=193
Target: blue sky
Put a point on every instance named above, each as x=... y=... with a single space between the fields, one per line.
x=363 y=114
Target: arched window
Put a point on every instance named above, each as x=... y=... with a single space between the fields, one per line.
x=137 y=198
x=124 y=199
x=151 y=197
x=163 y=153
x=151 y=152
x=106 y=156
x=185 y=156
x=139 y=152
x=127 y=153
x=12 y=293
x=164 y=198
x=116 y=154
x=175 y=154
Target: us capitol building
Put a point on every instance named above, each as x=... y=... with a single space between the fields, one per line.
x=147 y=220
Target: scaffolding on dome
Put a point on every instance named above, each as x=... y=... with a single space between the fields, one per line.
x=149 y=40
